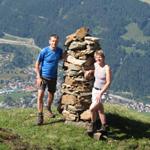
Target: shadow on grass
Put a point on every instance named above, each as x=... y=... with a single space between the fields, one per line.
x=125 y=128
x=53 y=121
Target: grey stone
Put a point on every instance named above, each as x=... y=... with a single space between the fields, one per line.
x=76 y=45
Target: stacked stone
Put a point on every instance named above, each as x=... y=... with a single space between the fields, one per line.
x=76 y=90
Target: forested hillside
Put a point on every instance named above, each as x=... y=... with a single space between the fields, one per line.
x=122 y=25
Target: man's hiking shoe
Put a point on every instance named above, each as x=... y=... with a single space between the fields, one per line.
x=52 y=115
x=49 y=112
x=92 y=127
x=40 y=119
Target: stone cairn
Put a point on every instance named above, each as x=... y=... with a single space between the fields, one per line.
x=76 y=90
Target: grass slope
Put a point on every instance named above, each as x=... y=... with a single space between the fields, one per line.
x=129 y=130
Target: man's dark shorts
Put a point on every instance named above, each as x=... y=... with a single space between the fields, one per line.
x=50 y=84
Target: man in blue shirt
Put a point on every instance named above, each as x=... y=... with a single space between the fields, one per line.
x=46 y=69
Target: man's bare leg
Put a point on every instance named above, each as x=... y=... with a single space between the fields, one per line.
x=40 y=107
x=40 y=101
x=49 y=104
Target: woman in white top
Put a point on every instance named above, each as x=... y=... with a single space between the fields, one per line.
x=102 y=74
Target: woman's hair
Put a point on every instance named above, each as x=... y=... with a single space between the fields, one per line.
x=99 y=53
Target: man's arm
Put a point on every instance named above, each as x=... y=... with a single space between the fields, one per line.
x=37 y=69
x=38 y=76
x=64 y=55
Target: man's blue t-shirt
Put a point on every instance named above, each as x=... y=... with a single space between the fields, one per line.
x=48 y=60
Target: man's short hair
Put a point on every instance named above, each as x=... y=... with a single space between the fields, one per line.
x=54 y=35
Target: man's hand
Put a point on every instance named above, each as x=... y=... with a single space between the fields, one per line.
x=38 y=82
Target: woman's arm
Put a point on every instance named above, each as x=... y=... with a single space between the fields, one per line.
x=89 y=74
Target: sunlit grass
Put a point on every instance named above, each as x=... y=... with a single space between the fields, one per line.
x=129 y=130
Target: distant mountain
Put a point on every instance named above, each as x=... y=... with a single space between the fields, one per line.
x=123 y=27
